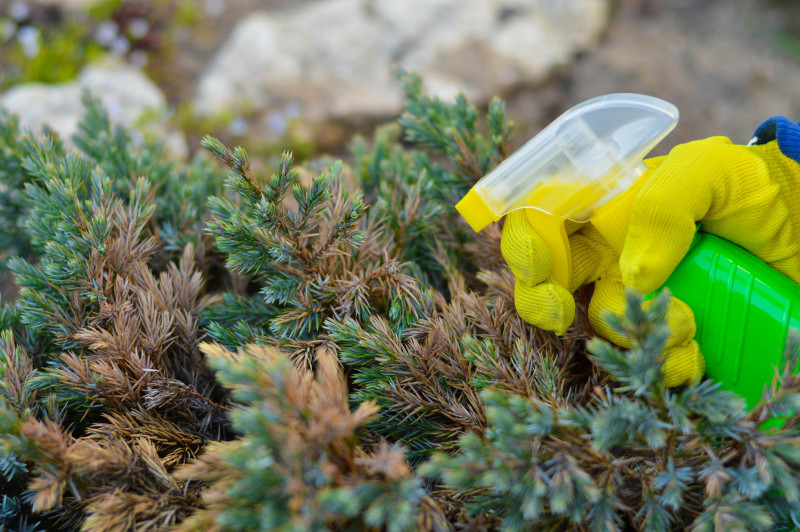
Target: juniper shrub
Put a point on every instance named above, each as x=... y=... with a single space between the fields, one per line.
x=203 y=347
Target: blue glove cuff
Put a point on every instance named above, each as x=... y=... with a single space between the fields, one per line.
x=786 y=132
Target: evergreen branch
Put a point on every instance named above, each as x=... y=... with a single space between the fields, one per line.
x=603 y=466
x=301 y=432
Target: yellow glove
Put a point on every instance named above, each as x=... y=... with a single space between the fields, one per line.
x=747 y=195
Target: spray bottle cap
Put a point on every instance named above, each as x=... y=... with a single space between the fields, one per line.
x=580 y=162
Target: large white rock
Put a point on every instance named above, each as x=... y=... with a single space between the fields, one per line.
x=125 y=91
x=335 y=58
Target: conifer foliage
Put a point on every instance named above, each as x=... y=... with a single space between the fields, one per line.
x=330 y=347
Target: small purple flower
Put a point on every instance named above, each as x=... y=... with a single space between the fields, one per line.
x=120 y=46
x=138 y=58
x=138 y=28
x=19 y=10
x=106 y=32
x=292 y=110
x=276 y=123
x=28 y=37
x=238 y=126
x=215 y=8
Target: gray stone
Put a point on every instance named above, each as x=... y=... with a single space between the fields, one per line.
x=335 y=58
x=128 y=95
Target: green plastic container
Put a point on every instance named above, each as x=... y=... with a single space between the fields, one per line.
x=743 y=309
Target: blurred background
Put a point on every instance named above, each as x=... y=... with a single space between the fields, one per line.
x=305 y=75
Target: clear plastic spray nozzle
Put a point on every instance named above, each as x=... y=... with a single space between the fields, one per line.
x=580 y=162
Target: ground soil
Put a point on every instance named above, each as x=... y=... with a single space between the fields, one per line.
x=726 y=64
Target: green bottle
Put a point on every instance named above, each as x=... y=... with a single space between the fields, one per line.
x=743 y=309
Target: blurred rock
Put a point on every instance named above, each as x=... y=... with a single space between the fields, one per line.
x=128 y=95
x=334 y=58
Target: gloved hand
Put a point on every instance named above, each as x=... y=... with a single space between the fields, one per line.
x=747 y=195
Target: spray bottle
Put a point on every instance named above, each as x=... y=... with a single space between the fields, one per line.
x=586 y=167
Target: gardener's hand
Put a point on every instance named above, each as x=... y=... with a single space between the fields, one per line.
x=748 y=195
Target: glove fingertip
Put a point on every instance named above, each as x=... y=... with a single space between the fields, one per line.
x=647 y=260
x=547 y=306
x=642 y=275
x=683 y=365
